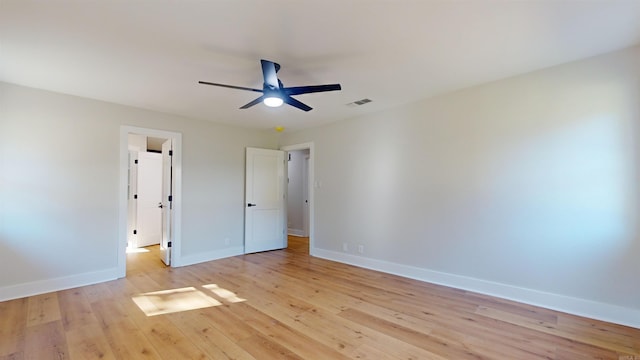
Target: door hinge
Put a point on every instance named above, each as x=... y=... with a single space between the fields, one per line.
x=135 y=161
x=135 y=196
x=170 y=198
x=169 y=244
x=135 y=232
x=170 y=152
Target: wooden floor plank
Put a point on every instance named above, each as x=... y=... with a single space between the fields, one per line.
x=287 y=305
x=124 y=337
x=128 y=342
x=46 y=341
x=13 y=326
x=97 y=292
x=88 y=342
x=600 y=341
x=75 y=309
x=203 y=331
x=14 y=356
x=297 y=342
x=261 y=347
x=43 y=309
x=163 y=335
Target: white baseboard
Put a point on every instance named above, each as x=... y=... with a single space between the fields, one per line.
x=208 y=256
x=581 y=307
x=295 y=232
x=56 y=284
x=68 y=282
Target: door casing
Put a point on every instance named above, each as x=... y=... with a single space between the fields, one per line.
x=166 y=201
x=121 y=243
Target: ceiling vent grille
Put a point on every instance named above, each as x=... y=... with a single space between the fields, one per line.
x=359 y=102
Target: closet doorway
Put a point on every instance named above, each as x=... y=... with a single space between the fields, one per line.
x=300 y=195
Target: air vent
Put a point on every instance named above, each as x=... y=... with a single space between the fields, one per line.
x=359 y=102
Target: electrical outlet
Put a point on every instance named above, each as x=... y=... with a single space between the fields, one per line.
x=361 y=249
x=345 y=247
x=226 y=241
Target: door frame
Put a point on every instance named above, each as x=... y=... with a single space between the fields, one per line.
x=176 y=219
x=310 y=187
x=305 y=191
x=132 y=204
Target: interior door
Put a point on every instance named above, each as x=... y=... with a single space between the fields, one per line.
x=149 y=196
x=265 y=211
x=166 y=202
x=305 y=194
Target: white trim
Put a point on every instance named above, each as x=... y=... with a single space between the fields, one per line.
x=295 y=232
x=62 y=283
x=310 y=180
x=211 y=255
x=177 y=193
x=581 y=307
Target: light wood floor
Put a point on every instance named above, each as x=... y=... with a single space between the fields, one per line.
x=287 y=305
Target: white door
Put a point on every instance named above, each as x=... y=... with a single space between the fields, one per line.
x=305 y=194
x=265 y=215
x=149 y=195
x=166 y=202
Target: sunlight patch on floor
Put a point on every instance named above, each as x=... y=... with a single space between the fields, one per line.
x=171 y=301
x=224 y=293
x=183 y=299
x=136 y=250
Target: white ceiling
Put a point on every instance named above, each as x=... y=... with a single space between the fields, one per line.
x=151 y=54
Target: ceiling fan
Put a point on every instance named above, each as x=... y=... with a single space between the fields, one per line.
x=274 y=93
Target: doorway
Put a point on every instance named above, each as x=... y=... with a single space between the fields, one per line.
x=302 y=210
x=298 y=193
x=169 y=149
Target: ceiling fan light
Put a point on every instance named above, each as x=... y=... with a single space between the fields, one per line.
x=273 y=101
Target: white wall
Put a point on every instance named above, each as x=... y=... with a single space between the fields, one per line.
x=525 y=188
x=59 y=173
x=295 y=194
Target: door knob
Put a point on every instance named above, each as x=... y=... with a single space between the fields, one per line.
x=250 y=205
x=160 y=205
